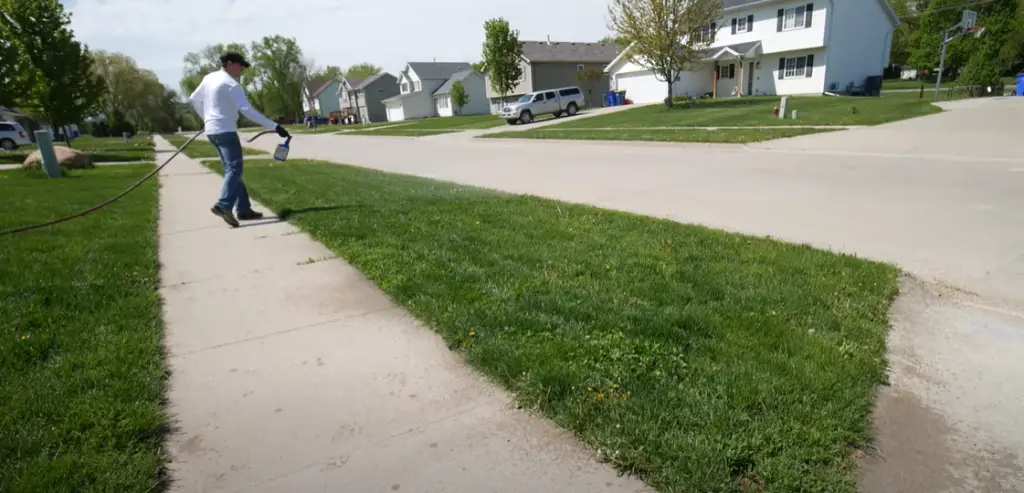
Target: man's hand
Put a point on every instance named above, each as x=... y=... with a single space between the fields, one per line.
x=282 y=132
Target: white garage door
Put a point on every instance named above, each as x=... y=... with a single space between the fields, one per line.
x=641 y=87
x=396 y=113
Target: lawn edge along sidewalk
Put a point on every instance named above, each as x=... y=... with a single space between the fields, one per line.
x=695 y=358
x=82 y=375
x=291 y=372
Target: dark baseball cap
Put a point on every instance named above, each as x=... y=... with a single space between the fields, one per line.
x=233 y=58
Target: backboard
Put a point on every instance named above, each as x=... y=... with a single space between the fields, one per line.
x=969 y=19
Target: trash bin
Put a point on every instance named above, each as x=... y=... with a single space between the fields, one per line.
x=1020 y=84
x=620 y=98
x=609 y=99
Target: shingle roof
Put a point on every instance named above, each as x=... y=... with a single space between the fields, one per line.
x=353 y=82
x=437 y=70
x=561 y=51
x=403 y=96
x=457 y=76
x=317 y=86
x=728 y=4
x=370 y=80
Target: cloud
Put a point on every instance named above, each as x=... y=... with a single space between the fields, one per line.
x=158 y=33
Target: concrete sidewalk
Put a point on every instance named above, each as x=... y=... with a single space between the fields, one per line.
x=291 y=372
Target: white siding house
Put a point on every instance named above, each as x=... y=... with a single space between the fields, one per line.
x=473 y=81
x=417 y=85
x=776 y=47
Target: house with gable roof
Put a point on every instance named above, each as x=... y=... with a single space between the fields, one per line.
x=776 y=47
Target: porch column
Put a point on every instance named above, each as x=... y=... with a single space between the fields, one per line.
x=714 y=83
x=739 y=80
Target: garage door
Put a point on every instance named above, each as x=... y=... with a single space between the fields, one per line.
x=641 y=87
x=396 y=113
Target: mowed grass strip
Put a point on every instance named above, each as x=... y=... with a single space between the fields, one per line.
x=81 y=356
x=757 y=111
x=449 y=123
x=101 y=149
x=696 y=359
x=202 y=148
x=724 y=136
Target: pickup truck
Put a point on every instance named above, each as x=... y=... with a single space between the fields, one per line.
x=565 y=100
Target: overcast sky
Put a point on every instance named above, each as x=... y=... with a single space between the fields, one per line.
x=158 y=33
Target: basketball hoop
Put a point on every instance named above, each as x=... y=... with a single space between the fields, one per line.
x=977 y=31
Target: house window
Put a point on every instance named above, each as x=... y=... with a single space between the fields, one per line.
x=727 y=72
x=418 y=85
x=793 y=18
x=707 y=35
x=405 y=87
x=579 y=68
x=796 y=67
x=743 y=24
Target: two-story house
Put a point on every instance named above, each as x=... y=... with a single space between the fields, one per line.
x=347 y=95
x=550 y=65
x=776 y=47
x=320 y=97
x=417 y=83
x=368 y=96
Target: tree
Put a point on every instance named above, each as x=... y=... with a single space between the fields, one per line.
x=502 y=56
x=278 y=72
x=362 y=71
x=667 y=36
x=12 y=85
x=460 y=97
x=332 y=72
x=617 y=40
x=199 y=64
x=999 y=43
x=55 y=70
x=589 y=79
x=480 y=67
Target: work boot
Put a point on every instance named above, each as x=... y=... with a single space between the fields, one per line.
x=249 y=215
x=226 y=215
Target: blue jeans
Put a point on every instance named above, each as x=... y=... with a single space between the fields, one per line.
x=233 y=193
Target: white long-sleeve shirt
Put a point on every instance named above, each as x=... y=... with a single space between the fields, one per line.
x=219 y=99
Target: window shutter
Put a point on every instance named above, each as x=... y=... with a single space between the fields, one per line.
x=734 y=25
x=782 y=15
x=750 y=23
x=782 y=68
x=810 y=65
x=732 y=70
x=808 y=15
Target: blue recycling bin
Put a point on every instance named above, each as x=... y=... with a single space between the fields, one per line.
x=620 y=98
x=609 y=98
x=1020 y=84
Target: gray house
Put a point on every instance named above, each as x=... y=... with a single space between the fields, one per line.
x=417 y=84
x=368 y=95
x=552 y=64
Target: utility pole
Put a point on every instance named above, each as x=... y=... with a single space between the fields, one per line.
x=965 y=26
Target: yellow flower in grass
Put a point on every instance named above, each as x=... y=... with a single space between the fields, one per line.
x=472 y=333
x=600 y=396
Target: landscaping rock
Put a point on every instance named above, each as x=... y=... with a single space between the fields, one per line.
x=66 y=157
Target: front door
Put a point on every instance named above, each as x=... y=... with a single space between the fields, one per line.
x=750 y=80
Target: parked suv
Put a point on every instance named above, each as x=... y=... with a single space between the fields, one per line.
x=12 y=136
x=566 y=100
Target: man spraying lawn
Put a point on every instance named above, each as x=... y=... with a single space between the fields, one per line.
x=218 y=100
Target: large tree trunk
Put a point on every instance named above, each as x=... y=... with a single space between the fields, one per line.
x=668 y=100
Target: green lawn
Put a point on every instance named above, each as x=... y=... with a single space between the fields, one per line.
x=657 y=123
x=696 y=359
x=81 y=355
x=817 y=110
x=402 y=131
x=892 y=84
x=740 y=136
x=344 y=129
x=101 y=149
x=430 y=126
x=202 y=148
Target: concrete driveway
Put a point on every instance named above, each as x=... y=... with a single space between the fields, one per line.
x=940 y=196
